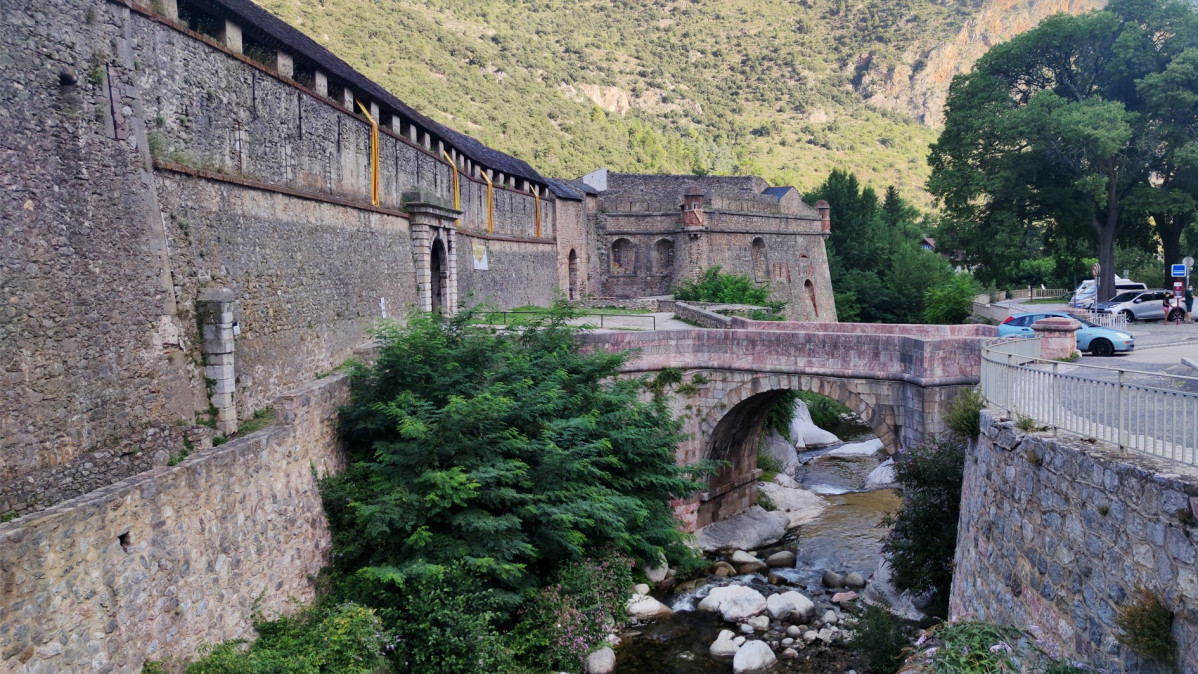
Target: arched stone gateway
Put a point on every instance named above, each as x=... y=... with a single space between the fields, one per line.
x=898 y=378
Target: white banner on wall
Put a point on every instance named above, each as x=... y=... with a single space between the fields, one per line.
x=479 y=249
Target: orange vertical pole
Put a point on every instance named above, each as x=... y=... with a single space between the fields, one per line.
x=457 y=200
x=374 y=154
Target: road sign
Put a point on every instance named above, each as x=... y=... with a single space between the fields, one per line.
x=1188 y=262
x=1178 y=271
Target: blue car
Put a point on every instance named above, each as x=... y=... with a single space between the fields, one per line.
x=1097 y=340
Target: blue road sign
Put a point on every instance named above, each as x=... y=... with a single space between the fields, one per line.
x=1178 y=270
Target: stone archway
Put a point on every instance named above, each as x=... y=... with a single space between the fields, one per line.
x=434 y=253
x=732 y=429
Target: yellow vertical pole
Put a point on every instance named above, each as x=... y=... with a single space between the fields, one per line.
x=374 y=154
x=457 y=200
x=490 y=202
x=537 y=201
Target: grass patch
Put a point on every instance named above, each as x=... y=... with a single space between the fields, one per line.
x=8 y=516
x=975 y=647
x=261 y=419
x=764 y=500
x=770 y=467
x=1146 y=627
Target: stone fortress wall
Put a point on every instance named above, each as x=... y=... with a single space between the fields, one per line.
x=1056 y=533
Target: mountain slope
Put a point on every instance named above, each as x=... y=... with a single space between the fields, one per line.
x=775 y=88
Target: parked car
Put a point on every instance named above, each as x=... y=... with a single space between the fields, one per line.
x=1083 y=297
x=1142 y=305
x=1099 y=341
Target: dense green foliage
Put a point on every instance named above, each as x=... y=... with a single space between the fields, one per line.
x=325 y=639
x=1146 y=626
x=715 y=87
x=1072 y=137
x=717 y=286
x=881 y=636
x=879 y=271
x=971 y=647
x=923 y=537
x=963 y=415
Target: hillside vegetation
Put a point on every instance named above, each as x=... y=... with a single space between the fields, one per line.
x=777 y=89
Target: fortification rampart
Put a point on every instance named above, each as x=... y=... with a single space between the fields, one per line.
x=161 y=563
x=1057 y=534
x=151 y=155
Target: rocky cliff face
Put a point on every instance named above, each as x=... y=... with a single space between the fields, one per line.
x=918 y=84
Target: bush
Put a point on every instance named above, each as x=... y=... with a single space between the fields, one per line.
x=951 y=301
x=1146 y=627
x=716 y=286
x=923 y=540
x=880 y=636
x=975 y=647
x=782 y=413
x=512 y=454
x=343 y=638
x=963 y=416
x=825 y=412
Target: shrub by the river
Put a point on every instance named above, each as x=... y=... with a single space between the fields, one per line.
x=880 y=636
x=963 y=415
x=923 y=538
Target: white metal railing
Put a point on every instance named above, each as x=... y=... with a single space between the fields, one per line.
x=1144 y=411
x=1117 y=321
x=1038 y=293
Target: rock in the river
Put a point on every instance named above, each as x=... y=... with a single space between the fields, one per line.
x=801 y=506
x=854 y=580
x=804 y=433
x=829 y=617
x=602 y=661
x=794 y=631
x=882 y=477
x=833 y=580
x=734 y=603
x=843 y=597
x=641 y=588
x=775 y=579
x=723 y=570
x=644 y=607
x=761 y=623
x=781 y=560
x=866 y=448
x=656 y=574
x=754 y=656
x=881 y=592
x=792 y=605
x=753 y=528
x=790 y=654
x=746 y=563
x=782 y=450
x=746 y=628
x=724 y=646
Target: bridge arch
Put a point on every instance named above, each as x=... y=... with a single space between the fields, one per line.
x=733 y=428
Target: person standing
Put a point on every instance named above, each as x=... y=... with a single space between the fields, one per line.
x=1189 y=304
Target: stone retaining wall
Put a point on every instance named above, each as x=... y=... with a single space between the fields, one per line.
x=161 y=563
x=1058 y=533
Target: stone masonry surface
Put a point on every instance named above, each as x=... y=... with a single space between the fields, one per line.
x=1057 y=533
x=158 y=564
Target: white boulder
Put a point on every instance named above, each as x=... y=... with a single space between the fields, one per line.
x=799 y=505
x=754 y=656
x=602 y=661
x=805 y=434
x=866 y=448
x=754 y=528
x=734 y=603
x=882 y=477
x=724 y=646
x=791 y=605
x=645 y=607
x=783 y=451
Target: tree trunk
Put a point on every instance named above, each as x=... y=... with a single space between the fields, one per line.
x=1169 y=228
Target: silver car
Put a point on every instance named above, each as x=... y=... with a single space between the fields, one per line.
x=1140 y=305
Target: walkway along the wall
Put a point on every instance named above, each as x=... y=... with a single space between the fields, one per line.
x=1057 y=533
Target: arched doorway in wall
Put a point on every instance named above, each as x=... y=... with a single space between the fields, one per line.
x=623 y=257
x=663 y=256
x=760 y=263
x=438 y=276
x=573 y=289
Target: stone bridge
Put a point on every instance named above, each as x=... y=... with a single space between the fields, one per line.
x=898 y=378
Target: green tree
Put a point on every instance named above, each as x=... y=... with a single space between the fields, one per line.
x=1056 y=129
x=509 y=455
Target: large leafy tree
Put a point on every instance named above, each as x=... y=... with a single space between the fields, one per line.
x=501 y=456
x=1058 y=130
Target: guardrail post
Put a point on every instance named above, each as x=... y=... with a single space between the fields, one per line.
x=1056 y=397
x=1121 y=421
x=1007 y=401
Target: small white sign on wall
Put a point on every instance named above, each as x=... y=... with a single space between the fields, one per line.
x=479 y=251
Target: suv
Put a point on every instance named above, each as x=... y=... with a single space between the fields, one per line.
x=1141 y=305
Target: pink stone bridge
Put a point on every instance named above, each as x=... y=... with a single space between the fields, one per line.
x=898 y=378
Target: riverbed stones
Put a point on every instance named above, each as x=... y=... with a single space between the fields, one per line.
x=854 y=580
x=734 y=603
x=833 y=580
x=830 y=617
x=799 y=505
x=641 y=588
x=759 y=623
x=746 y=563
x=794 y=631
x=656 y=574
x=746 y=628
x=724 y=646
x=781 y=560
x=843 y=597
x=723 y=570
x=644 y=607
x=790 y=654
x=753 y=657
x=602 y=661
x=751 y=529
x=782 y=450
x=790 y=605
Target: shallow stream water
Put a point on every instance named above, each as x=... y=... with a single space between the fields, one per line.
x=845 y=538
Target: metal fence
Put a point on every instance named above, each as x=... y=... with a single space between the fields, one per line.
x=1144 y=411
x=1039 y=293
x=1117 y=321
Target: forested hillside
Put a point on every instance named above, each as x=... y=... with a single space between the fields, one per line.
x=777 y=89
